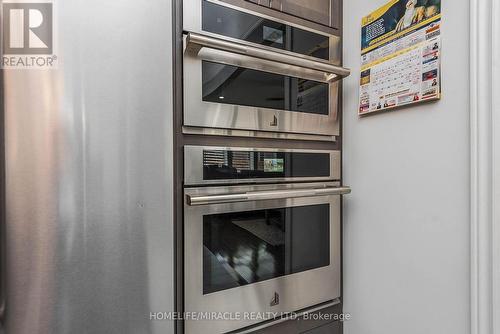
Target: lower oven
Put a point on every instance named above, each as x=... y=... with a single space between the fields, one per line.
x=253 y=250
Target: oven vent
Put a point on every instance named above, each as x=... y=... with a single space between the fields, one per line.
x=237 y=160
x=215 y=158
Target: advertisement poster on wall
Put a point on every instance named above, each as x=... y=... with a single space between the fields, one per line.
x=400 y=55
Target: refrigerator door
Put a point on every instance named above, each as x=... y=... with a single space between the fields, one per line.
x=89 y=236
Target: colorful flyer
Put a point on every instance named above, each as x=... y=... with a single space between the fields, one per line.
x=400 y=55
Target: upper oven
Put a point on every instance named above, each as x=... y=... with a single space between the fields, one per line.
x=247 y=73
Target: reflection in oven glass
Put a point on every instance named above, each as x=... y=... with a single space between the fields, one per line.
x=227 y=84
x=229 y=22
x=248 y=247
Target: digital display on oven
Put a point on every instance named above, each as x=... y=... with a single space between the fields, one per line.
x=273 y=165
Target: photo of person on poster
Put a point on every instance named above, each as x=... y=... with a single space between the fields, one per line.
x=417 y=11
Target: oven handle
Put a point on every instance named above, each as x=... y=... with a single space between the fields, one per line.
x=266 y=195
x=332 y=72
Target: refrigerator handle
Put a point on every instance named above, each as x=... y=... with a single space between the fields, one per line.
x=3 y=266
x=2 y=277
x=3 y=262
x=3 y=205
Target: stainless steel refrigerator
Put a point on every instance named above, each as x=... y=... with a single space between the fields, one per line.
x=88 y=231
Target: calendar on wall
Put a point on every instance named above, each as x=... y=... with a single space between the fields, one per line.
x=400 y=55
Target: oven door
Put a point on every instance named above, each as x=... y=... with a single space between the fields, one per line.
x=237 y=87
x=250 y=74
x=257 y=250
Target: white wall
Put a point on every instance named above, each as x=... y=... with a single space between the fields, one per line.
x=406 y=246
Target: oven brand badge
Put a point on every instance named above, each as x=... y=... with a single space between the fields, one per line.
x=274 y=122
x=28 y=35
x=276 y=300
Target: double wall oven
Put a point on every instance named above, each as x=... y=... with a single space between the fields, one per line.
x=256 y=241
x=246 y=73
x=261 y=226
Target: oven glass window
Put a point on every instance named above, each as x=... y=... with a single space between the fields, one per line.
x=229 y=84
x=249 y=247
x=236 y=24
x=240 y=165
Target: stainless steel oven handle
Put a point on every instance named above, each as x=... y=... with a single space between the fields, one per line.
x=332 y=72
x=265 y=195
